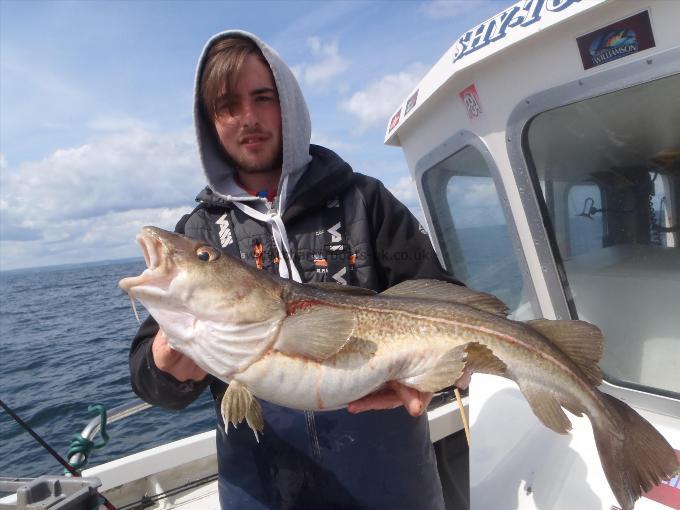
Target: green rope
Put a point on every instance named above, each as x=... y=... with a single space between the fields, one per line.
x=84 y=446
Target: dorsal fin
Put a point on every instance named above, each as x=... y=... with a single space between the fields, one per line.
x=579 y=340
x=346 y=289
x=450 y=292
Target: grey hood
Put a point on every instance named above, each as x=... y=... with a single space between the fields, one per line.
x=295 y=124
x=296 y=132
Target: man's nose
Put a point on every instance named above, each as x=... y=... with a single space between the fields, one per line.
x=249 y=114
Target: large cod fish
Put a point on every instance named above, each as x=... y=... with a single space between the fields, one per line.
x=319 y=347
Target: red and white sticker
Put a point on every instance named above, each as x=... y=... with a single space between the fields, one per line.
x=470 y=99
x=394 y=121
x=667 y=492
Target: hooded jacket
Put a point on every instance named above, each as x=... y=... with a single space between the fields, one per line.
x=327 y=223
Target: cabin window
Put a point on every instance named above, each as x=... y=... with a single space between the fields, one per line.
x=472 y=231
x=608 y=170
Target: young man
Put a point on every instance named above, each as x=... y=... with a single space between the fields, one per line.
x=300 y=211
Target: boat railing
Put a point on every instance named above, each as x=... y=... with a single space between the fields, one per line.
x=95 y=425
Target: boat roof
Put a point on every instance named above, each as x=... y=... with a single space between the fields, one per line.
x=519 y=22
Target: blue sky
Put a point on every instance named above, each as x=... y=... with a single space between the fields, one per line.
x=96 y=134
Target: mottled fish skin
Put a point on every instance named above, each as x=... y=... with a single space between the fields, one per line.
x=400 y=338
x=320 y=347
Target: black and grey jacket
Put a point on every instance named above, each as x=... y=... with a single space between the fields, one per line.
x=343 y=227
x=366 y=238
x=327 y=223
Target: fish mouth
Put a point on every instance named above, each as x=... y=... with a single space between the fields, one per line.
x=160 y=270
x=151 y=245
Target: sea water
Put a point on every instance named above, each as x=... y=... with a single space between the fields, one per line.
x=65 y=334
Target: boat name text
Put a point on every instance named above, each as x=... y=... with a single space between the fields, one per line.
x=522 y=14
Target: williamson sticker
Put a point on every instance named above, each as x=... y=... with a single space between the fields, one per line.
x=615 y=41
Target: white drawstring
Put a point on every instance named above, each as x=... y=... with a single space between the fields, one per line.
x=282 y=194
x=280 y=239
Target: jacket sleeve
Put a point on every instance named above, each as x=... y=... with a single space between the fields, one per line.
x=149 y=382
x=402 y=246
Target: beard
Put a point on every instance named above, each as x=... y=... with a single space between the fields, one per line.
x=270 y=159
x=265 y=164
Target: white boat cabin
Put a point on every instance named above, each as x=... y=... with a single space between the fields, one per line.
x=545 y=147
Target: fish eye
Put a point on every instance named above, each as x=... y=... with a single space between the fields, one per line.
x=206 y=254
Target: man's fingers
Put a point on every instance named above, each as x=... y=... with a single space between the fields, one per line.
x=383 y=399
x=464 y=380
x=395 y=395
x=414 y=401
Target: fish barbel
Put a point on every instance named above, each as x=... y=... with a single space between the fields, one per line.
x=321 y=346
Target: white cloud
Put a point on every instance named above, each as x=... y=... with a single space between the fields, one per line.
x=114 y=172
x=481 y=193
x=474 y=202
x=442 y=9
x=405 y=190
x=109 y=236
x=328 y=63
x=378 y=101
x=96 y=196
x=335 y=144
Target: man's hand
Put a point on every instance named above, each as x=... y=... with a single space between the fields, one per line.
x=173 y=362
x=394 y=395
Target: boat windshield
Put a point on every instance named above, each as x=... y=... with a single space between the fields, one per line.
x=609 y=174
x=470 y=225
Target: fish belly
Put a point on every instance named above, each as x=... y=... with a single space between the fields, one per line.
x=302 y=383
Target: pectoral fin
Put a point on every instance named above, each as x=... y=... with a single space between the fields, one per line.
x=317 y=332
x=238 y=403
x=447 y=370
x=481 y=359
x=468 y=358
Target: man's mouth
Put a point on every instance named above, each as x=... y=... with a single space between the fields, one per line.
x=253 y=140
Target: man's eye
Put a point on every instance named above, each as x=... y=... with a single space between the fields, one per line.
x=225 y=107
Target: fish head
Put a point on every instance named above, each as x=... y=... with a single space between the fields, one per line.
x=192 y=279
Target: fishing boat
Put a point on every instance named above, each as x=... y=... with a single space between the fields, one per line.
x=554 y=127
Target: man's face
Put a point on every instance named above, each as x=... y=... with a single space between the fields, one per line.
x=248 y=120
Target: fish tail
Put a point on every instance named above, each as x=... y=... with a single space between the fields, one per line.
x=634 y=455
